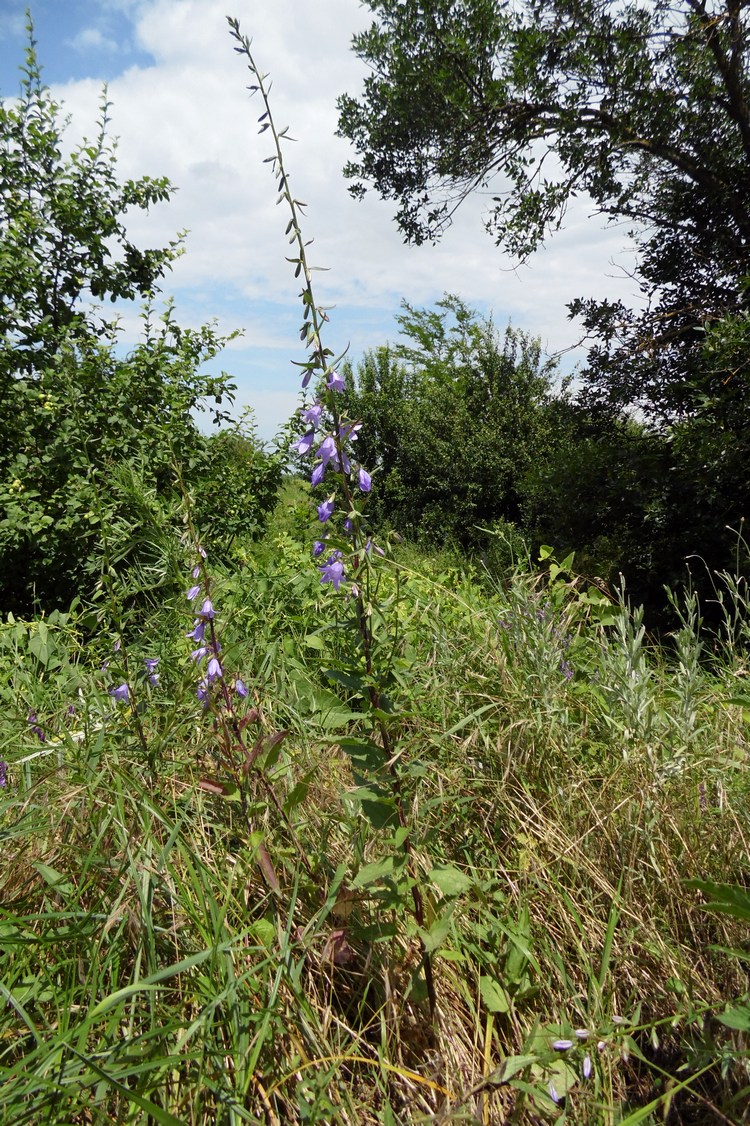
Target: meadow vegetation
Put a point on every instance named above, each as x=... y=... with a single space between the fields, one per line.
x=320 y=804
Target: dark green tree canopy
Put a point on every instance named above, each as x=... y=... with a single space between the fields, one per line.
x=643 y=107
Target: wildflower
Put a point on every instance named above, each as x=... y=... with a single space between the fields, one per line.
x=198 y=630
x=582 y=1034
x=213 y=671
x=332 y=572
x=304 y=445
x=348 y=525
x=312 y=415
x=586 y=1066
x=202 y=693
x=196 y=570
x=116 y=645
x=197 y=655
x=553 y=1092
x=365 y=480
x=151 y=663
x=318 y=548
x=566 y=669
x=562 y=1045
x=207 y=610
x=120 y=694
x=35 y=728
x=325 y=510
x=193 y=592
x=318 y=474
x=240 y=688
x=3 y=773
x=327 y=452
x=335 y=382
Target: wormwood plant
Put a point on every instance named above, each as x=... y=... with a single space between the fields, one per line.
x=351 y=562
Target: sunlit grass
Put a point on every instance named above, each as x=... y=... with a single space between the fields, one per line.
x=565 y=778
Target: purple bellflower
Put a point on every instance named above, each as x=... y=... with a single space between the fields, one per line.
x=318 y=474
x=304 y=445
x=325 y=510
x=332 y=572
x=364 y=480
x=335 y=382
x=120 y=694
x=312 y=415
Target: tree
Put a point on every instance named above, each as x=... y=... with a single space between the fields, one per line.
x=454 y=417
x=73 y=409
x=645 y=108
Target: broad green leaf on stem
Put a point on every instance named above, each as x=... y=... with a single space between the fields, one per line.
x=435 y=936
x=738 y=1017
x=449 y=880
x=509 y=1067
x=374 y=873
x=495 y=998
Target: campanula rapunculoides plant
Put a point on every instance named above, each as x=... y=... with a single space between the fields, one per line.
x=347 y=558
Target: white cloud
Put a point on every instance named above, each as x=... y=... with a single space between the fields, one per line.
x=92 y=39
x=189 y=116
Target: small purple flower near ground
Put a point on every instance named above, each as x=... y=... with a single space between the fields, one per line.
x=332 y=572
x=120 y=694
x=553 y=1092
x=318 y=548
x=151 y=663
x=240 y=688
x=3 y=773
x=587 y=1066
x=213 y=671
x=207 y=610
x=33 y=723
x=562 y=1045
x=193 y=592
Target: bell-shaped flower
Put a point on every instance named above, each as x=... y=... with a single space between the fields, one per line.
x=304 y=445
x=312 y=415
x=325 y=510
x=364 y=480
x=335 y=382
x=332 y=572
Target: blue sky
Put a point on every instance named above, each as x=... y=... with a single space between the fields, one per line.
x=180 y=108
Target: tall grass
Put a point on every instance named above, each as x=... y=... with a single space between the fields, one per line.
x=567 y=777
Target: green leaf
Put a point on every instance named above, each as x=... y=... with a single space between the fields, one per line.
x=374 y=873
x=493 y=995
x=738 y=1017
x=55 y=879
x=450 y=881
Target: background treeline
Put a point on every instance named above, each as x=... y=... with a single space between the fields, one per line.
x=481 y=447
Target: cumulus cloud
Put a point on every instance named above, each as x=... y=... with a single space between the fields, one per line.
x=189 y=116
